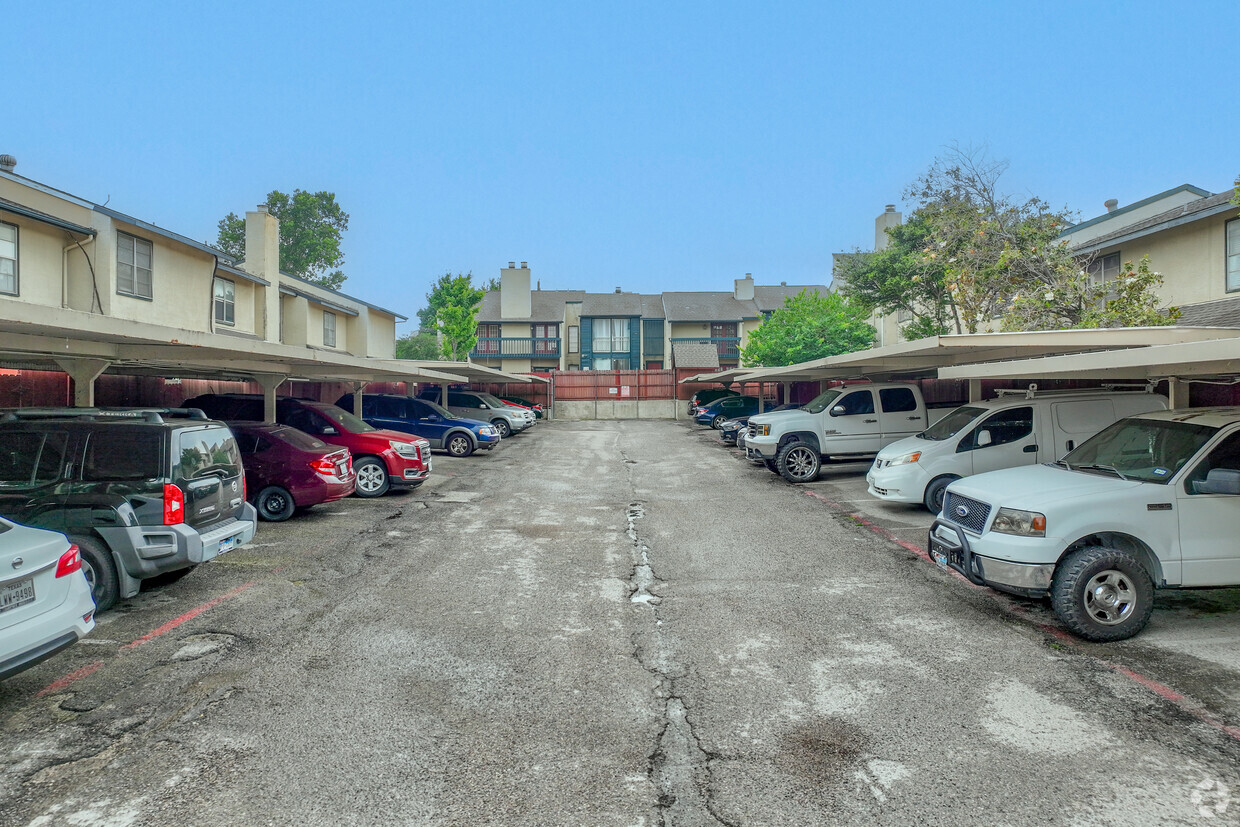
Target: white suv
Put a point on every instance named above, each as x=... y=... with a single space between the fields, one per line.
x=1151 y=502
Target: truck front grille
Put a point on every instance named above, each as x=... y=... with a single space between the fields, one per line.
x=974 y=516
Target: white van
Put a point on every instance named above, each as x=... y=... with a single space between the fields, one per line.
x=1020 y=427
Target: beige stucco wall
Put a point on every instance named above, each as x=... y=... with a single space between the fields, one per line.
x=688 y=330
x=181 y=281
x=1192 y=259
x=245 y=294
x=44 y=202
x=296 y=320
x=38 y=261
x=381 y=335
x=314 y=329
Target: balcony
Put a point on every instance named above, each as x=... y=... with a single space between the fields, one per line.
x=496 y=347
x=729 y=347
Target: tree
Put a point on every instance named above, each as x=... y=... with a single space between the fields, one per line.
x=809 y=326
x=421 y=345
x=451 y=308
x=1076 y=301
x=311 y=228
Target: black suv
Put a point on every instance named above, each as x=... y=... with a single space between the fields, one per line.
x=141 y=492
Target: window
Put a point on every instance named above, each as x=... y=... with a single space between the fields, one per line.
x=544 y=338
x=611 y=336
x=608 y=363
x=225 y=301
x=1233 y=255
x=857 y=402
x=488 y=338
x=904 y=315
x=208 y=453
x=897 y=400
x=1103 y=269
x=27 y=458
x=329 y=329
x=130 y=455
x=389 y=408
x=1224 y=455
x=1004 y=427
x=133 y=266
x=574 y=338
x=8 y=259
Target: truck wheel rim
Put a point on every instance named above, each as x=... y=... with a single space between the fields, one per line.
x=799 y=462
x=1110 y=597
x=370 y=478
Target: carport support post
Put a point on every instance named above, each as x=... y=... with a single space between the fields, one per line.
x=787 y=391
x=269 y=385
x=1177 y=392
x=975 y=390
x=84 y=372
x=357 y=398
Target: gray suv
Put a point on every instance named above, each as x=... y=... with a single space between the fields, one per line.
x=483 y=406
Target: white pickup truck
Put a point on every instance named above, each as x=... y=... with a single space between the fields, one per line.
x=849 y=421
x=1153 y=501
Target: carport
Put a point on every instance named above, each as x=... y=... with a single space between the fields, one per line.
x=47 y=338
x=958 y=356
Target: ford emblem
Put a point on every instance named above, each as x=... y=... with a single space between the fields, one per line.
x=962 y=511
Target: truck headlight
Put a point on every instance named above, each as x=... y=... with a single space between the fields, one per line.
x=763 y=430
x=405 y=449
x=906 y=459
x=1020 y=523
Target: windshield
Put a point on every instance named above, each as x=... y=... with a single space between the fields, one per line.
x=1149 y=450
x=344 y=419
x=439 y=409
x=950 y=425
x=494 y=402
x=822 y=401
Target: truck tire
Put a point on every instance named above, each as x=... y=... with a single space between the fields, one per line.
x=771 y=466
x=1102 y=594
x=798 y=462
x=100 y=572
x=933 y=498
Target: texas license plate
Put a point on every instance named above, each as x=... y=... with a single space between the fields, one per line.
x=16 y=594
x=227 y=545
x=940 y=559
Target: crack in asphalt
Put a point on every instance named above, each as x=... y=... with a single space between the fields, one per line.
x=678 y=766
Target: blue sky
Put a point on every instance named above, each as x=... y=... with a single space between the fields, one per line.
x=650 y=146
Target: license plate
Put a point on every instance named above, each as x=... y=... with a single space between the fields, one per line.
x=227 y=545
x=940 y=559
x=16 y=594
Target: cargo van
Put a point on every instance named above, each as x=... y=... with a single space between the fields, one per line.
x=1020 y=427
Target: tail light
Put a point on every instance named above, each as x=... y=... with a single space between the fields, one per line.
x=174 y=505
x=323 y=466
x=69 y=562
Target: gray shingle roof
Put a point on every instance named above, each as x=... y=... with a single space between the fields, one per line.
x=546 y=306
x=695 y=355
x=652 y=307
x=612 y=304
x=707 y=307
x=772 y=298
x=1218 y=313
x=1193 y=210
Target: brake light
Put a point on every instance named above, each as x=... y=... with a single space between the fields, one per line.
x=323 y=466
x=69 y=562
x=174 y=505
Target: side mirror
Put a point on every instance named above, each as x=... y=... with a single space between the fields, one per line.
x=838 y=410
x=431 y=417
x=984 y=439
x=1219 y=481
x=330 y=431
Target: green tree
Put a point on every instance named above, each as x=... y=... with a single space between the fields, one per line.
x=809 y=326
x=312 y=225
x=421 y=345
x=451 y=308
x=1075 y=301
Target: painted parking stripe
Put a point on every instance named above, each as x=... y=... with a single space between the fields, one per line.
x=1161 y=690
x=90 y=668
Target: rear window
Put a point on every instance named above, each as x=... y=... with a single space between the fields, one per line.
x=123 y=453
x=298 y=439
x=207 y=452
x=26 y=458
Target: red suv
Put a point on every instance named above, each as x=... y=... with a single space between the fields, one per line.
x=286 y=470
x=381 y=459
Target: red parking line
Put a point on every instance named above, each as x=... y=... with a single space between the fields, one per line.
x=1161 y=690
x=56 y=686
x=190 y=615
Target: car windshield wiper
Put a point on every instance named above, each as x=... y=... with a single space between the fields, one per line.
x=1110 y=468
x=1062 y=464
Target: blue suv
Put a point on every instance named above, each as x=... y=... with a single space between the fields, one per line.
x=445 y=430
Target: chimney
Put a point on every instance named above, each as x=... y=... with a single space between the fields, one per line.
x=889 y=218
x=515 y=299
x=742 y=289
x=1111 y=204
x=617 y=289
x=7 y=163
x=262 y=258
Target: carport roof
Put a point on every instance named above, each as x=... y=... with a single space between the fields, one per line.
x=724 y=376
x=45 y=337
x=925 y=357
x=472 y=372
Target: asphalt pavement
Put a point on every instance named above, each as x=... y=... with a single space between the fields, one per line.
x=618 y=623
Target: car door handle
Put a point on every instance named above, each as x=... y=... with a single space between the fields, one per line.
x=1030 y=449
x=869 y=420
x=913 y=418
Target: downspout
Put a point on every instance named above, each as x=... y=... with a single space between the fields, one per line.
x=64 y=268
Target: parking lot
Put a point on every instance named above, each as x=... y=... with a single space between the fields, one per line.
x=618 y=623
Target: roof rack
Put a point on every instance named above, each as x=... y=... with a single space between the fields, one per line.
x=1032 y=392
x=154 y=416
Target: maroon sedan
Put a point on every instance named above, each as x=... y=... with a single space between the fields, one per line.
x=286 y=469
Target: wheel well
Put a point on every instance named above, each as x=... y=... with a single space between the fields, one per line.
x=800 y=436
x=1121 y=542
x=359 y=457
x=461 y=432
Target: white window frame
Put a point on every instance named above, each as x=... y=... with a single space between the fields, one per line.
x=1231 y=251
x=224 y=307
x=1104 y=268
x=574 y=338
x=329 y=329
x=13 y=274
x=133 y=245
x=617 y=333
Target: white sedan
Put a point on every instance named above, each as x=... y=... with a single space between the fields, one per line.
x=45 y=602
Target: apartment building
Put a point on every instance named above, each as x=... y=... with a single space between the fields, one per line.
x=523 y=329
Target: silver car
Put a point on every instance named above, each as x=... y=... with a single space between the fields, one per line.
x=45 y=602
